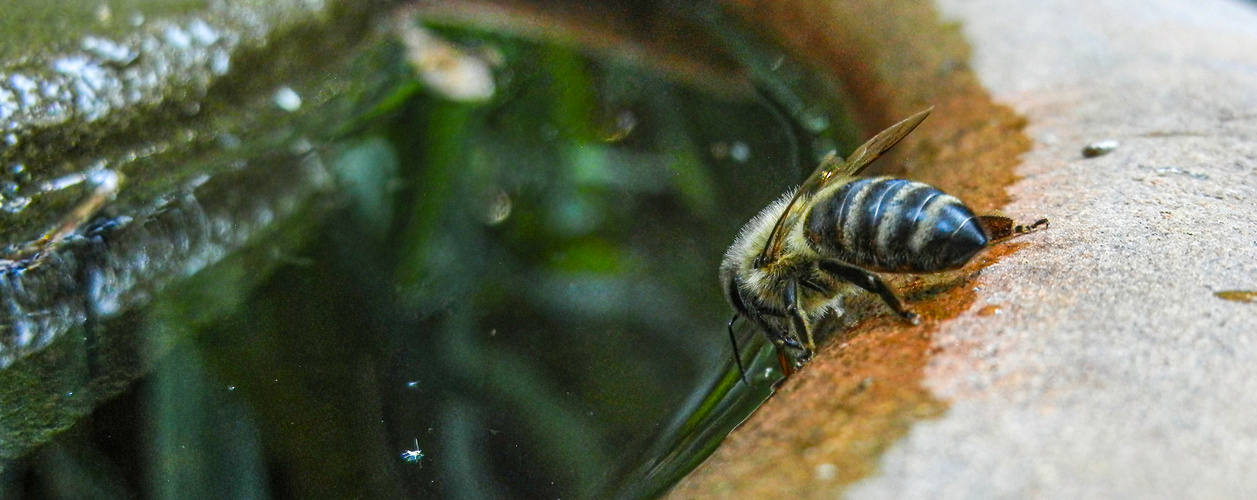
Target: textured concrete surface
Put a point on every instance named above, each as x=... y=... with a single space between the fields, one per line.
x=1108 y=367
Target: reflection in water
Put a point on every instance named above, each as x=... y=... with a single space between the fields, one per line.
x=512 y=298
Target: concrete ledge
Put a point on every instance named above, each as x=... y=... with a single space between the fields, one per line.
x=1097 y=360
x=1113 y=369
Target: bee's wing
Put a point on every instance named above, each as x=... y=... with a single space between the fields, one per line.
x=833 y=167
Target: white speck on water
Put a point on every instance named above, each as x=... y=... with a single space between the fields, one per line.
x=739 y=152
x=109 y=51
x=301 y=145
x=177 y=37
x=814 y=120
x=287 y=99
x=51 y=89
x=414 y=455
x=231 y=388
x=103 y=13
x=25 y=88
x=13 y=204
x=220 y=62
x=22 y=83
x=25 y=332
x=498 y=211
x=412 y=384
x=202 y=32
x=103 y=178
x=7 y=105
x=59 y=183
x=228 y=141
x=89 y=81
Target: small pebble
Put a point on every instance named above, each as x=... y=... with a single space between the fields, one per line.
x=1099 y=148
x=826 y=472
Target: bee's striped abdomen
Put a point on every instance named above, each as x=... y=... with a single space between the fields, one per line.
x=888 y=224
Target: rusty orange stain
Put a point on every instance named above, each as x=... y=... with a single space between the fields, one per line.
x=829 y=424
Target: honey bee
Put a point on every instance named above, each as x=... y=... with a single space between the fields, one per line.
x=794 y=262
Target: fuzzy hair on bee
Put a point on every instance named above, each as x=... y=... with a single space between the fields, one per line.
x=797 y=260
x=738 y=273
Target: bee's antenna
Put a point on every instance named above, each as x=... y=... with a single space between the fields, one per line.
x=737 y=355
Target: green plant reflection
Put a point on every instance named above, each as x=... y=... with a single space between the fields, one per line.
x=510 y=297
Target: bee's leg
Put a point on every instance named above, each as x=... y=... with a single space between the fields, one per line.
x=104 y=185
x=737 y=355
x=798 y=324
x=865 y=279
x=787 y=364
x=787 y=367
x=1000 y=228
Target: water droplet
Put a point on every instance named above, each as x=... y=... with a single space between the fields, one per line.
x=499 y=209
x=103 y=14
x=220 y=62
x=814 y=120
x=108 y=51
x=444 y=68
x=202 y=32
x=621 y=126
x=177 y=37
x=228 y=141
x=10 y=201
x=287 y=99
x=22 y=177
x=739 y=152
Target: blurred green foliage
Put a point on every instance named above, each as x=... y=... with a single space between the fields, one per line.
x=524 y=286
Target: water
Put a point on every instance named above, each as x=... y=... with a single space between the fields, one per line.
x=506 y=296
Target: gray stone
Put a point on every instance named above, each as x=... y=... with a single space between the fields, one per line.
x=1114 y=371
